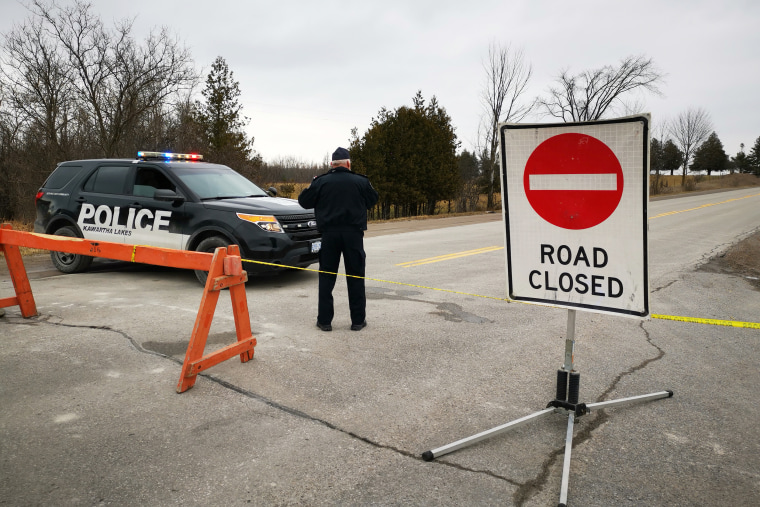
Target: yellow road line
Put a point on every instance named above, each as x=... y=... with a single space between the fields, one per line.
x=700 y=207
x=446 y=257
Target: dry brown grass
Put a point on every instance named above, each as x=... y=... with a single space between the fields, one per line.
x=289 y=190
x=695 y=183
x=26 y=227
x=728 y=181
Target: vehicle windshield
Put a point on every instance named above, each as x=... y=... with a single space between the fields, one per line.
x=217 y=182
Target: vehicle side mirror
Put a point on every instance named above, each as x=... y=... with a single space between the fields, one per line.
x=272 y=191
x=164 y=194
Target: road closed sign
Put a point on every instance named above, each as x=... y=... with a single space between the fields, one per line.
x=574 y=198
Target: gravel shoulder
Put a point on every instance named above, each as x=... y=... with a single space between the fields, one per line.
x=742 y=260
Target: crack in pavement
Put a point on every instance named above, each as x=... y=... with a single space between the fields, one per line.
x=252 y=395
x=663 y=287
x=525 y=490
x=598 y=418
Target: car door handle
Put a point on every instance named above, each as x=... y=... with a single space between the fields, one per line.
x=136 y=205
x=81 y=199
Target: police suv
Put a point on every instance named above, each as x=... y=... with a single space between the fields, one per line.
x=176 y=201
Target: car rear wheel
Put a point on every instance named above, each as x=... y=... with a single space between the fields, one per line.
x=69 y=262
x=209 y=245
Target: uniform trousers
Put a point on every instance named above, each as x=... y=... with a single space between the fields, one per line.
x=350 y=244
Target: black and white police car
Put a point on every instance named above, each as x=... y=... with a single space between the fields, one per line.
x=176 y=201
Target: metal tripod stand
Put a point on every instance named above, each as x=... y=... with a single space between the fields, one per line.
x=566 y=402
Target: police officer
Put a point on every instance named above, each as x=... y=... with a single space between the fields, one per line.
x=340 y=199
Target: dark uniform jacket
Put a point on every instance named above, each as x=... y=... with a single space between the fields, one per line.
x=340 y=199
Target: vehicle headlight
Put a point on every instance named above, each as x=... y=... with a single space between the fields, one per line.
x=266 y=222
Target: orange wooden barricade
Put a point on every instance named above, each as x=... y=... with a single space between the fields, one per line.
x=225 y=269
x=24 y=298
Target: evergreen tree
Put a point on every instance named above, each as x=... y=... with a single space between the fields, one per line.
x=410 y=156
x=741 y=162
x=710 y=156
x=222 y=123
x=656 y=156
x=672 y=157
x=754 y=157
x=469 y=173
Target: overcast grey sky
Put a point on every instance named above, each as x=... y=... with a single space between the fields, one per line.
x=310 y=71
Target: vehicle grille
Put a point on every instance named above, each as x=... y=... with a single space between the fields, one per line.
x=298 y=228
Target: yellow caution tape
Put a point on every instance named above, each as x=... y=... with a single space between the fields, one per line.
x=713 y=322
x=134 y=251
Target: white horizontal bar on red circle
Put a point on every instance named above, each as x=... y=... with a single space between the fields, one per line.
x=578 y=181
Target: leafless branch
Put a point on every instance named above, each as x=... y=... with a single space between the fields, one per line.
x=689 y=130
x=507 y=77
x=591 y=94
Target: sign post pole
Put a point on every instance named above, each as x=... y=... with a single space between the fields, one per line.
x=575 y=216
x=570 y=342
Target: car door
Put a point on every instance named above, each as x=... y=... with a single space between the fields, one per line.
x=154 y=222
x=101 y=203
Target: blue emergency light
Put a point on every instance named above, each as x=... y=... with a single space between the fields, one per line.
x=144 y=155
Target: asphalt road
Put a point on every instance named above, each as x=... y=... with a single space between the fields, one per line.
x=90 y=415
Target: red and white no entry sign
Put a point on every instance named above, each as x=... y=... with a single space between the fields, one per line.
x=574 y=198
x=573 y=181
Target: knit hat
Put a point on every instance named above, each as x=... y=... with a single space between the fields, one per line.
x=341 y=154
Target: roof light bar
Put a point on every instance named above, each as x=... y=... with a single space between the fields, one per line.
x=168 y=156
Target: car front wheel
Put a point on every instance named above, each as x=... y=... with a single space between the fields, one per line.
x=209 y=245
x=68 y=262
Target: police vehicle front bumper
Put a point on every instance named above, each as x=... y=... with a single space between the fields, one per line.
x=278 y=255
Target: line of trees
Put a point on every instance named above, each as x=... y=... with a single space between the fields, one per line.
x=411 y=178
x=72 y=87
x=689 y=142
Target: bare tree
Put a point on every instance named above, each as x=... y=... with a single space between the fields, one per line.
x=39 y=83
x=632 y=107
x=11 y=126
x=507 y=76
x=690 y=129
x=589 y=95
x=71 y=87
x=116 y=79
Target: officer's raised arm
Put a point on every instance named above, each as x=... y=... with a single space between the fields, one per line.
x=370 y=195
x=308 y=197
